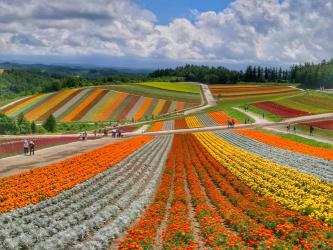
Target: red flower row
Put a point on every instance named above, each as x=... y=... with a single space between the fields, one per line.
x=279 y=110
x=320 y=124
x=284 y=225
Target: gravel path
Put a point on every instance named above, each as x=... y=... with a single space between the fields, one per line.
x=318 y=167
x=209 y=98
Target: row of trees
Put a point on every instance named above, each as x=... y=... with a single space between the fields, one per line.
x=20 y=125
x=309 y=75
x=313 y=75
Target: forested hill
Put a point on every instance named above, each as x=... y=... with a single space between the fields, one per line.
x=20 y=79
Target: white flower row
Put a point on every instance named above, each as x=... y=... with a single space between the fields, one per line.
x=61 y=221
x=206 y=121
x=318 y=167
x=168 y=125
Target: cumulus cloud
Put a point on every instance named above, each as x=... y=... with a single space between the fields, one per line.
x=248 y=31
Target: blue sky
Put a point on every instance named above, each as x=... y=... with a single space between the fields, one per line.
x=166 y=11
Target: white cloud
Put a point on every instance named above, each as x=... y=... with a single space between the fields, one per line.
x=262 y=31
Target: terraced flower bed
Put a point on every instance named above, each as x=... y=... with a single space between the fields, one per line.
x=279 y=110
x=89 y=214
x=289 y=187
x=209 y=207
x=219 y=190
x=237 y=92
x=287 y=144
x=92 y=104
x=36 y=185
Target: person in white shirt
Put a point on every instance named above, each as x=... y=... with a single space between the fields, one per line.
x=26 y=147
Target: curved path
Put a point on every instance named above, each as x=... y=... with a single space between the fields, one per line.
x=210 y=101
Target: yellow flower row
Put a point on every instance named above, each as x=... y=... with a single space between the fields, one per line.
x=289 y=187
x=193 y=122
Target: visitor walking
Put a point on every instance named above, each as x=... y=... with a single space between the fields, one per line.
x=288 y=128
x=311 y=130
x=32 y=147
x=294 y=129
x=263 y=115
x=26 y=147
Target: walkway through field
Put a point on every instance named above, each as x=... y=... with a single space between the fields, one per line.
x=20 y=163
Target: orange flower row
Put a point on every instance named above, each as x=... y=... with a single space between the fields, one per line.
x=259 y=220
x=157 y=126
x=287 y=144
x=221 y=117
x=42 y=183
x=179 y=233
x=142 y=235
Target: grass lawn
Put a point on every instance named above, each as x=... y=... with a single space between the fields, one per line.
x=301 y=139
x=139 y=89
x=325 y=133
x=312 y=101
x=267 y=115
x=173 y=86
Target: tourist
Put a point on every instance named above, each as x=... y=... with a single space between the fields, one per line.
x=113 y=133
x=26 y=147
x=32 y=147
x=311 y=130
x=263 y=115
x=232 y=123
x=85 y=135
x=294 y=129
x=288 y=128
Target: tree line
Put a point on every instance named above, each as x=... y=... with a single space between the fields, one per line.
x=309 y=75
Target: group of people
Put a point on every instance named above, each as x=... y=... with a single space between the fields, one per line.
x=231 y=123
x=116 y=133
x=29 y=147
x=246 y=108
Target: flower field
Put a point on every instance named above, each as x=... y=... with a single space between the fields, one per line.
x=212 y=119
x=289 y=187
x=236 y=92
x=287 y=144
x=15 y=146
x=279 y=110
x=197 y=189
x=223 y=190
x=328 y=124
x=92 y=104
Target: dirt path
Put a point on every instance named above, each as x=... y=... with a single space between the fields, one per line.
x=20 y=163
x=209 y=99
